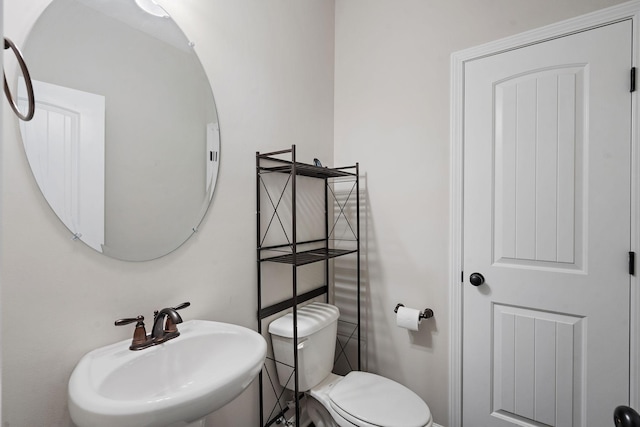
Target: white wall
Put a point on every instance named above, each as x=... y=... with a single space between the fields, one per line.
x=1 y=156
x=392 y=115
x=271 y=68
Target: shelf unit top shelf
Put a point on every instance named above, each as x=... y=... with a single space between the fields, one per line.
x=304 y=169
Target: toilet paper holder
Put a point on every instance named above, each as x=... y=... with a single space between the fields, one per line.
x=426 y=314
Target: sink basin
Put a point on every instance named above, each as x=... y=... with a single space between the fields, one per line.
x=174 y=383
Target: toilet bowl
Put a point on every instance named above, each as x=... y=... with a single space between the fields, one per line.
x=358 y=399
x=317 y=414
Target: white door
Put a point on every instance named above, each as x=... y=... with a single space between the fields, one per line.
x=547 y=146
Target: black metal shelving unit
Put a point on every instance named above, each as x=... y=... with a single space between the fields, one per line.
x=300 y=253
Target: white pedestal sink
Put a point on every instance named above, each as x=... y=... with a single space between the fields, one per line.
x=171 y=384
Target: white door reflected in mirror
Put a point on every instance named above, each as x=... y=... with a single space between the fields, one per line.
x=65 y=147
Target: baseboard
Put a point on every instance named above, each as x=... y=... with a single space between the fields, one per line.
x=436 y=425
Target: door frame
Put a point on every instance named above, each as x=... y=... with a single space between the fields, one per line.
x=629 y=10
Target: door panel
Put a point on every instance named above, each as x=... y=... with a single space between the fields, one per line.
x=538 y=359
x=535 y=182
x=547 y=144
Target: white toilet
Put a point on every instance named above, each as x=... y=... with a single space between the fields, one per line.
x=357 y=399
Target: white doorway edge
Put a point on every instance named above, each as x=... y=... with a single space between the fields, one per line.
x=624 y=11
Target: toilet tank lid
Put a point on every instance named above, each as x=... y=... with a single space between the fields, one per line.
x=311 y=318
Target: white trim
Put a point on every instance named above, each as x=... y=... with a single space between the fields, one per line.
x=629 y=10
x=455 y=211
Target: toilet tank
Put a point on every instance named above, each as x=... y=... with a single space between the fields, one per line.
x=317 y=328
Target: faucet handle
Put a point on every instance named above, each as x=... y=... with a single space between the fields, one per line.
x=169 y=326
x=126 y=321
x=181 y=306
x=140 y=339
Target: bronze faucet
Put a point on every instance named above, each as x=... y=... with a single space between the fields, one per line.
x=164 y=327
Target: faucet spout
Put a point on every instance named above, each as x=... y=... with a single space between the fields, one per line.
x=158 y=333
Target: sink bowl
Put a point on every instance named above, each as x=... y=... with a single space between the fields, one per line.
x=174 y=383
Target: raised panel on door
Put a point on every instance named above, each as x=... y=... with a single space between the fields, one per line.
x=538 y=174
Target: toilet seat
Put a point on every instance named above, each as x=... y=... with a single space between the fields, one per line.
x=369 y=400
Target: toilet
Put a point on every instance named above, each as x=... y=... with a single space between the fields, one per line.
x=358 y=399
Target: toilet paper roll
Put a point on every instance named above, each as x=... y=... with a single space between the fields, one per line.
x=408 y=318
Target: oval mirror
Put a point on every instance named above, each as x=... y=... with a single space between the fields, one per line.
x=125 y=141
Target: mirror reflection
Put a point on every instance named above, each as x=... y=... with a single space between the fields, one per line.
x=125 y=141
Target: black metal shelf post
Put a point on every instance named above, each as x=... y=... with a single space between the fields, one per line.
x=290 y=252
